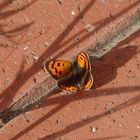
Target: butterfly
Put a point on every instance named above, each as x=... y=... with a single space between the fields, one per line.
x=71 y=76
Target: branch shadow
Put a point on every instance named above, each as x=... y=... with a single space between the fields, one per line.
x=66 y=99
x=8 y=97
x=107 y=138
x=7 y=35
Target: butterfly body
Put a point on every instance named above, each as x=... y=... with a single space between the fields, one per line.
x=72 y=76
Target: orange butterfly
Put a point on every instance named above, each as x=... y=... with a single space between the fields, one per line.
x=72 y=76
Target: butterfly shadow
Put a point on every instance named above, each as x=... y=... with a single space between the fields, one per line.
x=105 y=69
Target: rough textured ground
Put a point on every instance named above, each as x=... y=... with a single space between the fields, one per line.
x=32 y=30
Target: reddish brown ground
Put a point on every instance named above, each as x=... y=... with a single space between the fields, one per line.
x=26 y=27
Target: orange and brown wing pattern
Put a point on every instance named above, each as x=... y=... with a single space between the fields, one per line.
x=83 y=61
x=68 y=84
x=58 y=68
x=88 y=82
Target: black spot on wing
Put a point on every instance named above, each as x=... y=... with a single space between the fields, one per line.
x=56 y=70
x=60 y=72
x=58 y=64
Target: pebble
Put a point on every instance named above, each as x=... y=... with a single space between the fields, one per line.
x=35 y=58
x=93 y=129
x=72 y=12
x=46 y=44
x=138 y=126
x=89 y=28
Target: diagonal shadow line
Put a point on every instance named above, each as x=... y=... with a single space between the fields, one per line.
x=84 y=96
x=5 y=3
x=80 y=124
x=102 y=23
x=37 y=66
x=57 y=44
x=58 y=41
x=107 y=138
x=99 y=24
x=8 y=96
x=17 y=29
x=6 y=14
x=77 y=125
x=14 y=32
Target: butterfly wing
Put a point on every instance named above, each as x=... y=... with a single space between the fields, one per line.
x=83 y=61
x=68 y=84
x=58 y=68
x=84 y=64
x=88 y=82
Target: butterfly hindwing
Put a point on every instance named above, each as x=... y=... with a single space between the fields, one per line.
x=68 y=84
x=88 y=82
x=58 y=68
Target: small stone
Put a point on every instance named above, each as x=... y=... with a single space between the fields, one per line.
x=138 y=126
x=89 y=28
x=35 y=80
x=72 y=12
x=120 y=125
x=27 y=120
x=42 y=31
x=46 y=44
x=60 y=2
x=35 y=58
x=93 y=129
x=25 y=48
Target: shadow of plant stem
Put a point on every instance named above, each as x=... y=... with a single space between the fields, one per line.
x=36 y=67
x=8 y=13
x=5 y=3
x=8 y=34
x=9 y=96
x=79 y=124
x=107 y=138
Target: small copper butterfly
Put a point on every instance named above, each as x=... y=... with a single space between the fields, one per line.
x=72 y=76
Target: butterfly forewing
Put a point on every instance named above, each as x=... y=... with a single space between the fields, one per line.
x=58 y=68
